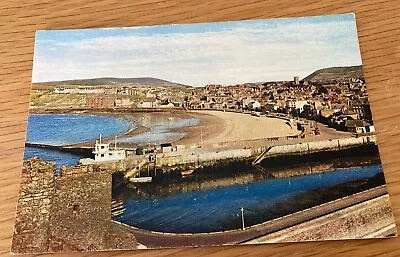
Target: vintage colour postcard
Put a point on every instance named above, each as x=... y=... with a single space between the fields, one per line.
x=227 y=133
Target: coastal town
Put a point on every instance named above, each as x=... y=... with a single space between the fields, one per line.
x=330 y=104
x=264 y=130
x=341 y=103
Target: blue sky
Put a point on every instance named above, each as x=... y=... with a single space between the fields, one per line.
x=199 y=54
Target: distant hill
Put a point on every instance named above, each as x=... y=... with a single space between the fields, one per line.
x=144 y=81
x=336 y=73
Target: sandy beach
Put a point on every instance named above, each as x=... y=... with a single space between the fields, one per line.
x=217 y=127
x=214 y=128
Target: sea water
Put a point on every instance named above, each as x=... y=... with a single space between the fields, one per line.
x=65 y=129
x=162 y=129
x=214 y=209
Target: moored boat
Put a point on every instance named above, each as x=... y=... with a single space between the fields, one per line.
x=187 y=173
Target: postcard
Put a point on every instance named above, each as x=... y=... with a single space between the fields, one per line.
x=226 y=133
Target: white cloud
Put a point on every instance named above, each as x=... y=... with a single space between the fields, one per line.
x=242 y=54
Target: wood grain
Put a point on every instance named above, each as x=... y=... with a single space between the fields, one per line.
x=379 y=33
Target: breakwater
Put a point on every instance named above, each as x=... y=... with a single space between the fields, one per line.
x=205 y=157
x=84 y=151
x=320 y=146
x=329 y=148
x=265 y=156
x=363 y=154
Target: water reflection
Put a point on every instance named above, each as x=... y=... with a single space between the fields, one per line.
x=162 y=126
x=203 y=205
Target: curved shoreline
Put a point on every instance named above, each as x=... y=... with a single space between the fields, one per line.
x=216 y=127
x=233 y=128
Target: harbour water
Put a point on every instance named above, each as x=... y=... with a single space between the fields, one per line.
x=218 y=208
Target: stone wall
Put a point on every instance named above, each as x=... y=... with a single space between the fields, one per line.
x=278 y=150
x=71 y=212
x=31 y=230
x=81 y=207
x=202 y=157
x=319 y=146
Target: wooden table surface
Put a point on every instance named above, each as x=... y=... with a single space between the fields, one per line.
x=379 y=33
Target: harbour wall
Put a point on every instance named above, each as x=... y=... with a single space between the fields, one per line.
x=84 y=151
x=203 y=157
x=192 y=158
x=211 y=156
x=320 y=146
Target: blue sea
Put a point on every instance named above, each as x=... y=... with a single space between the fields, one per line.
x=65 y=129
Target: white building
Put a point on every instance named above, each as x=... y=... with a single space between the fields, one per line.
x=102 y=153
x=169 y=105
x=296 y=104
x=300 y=105
x=254 y=105
x=147 y=104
